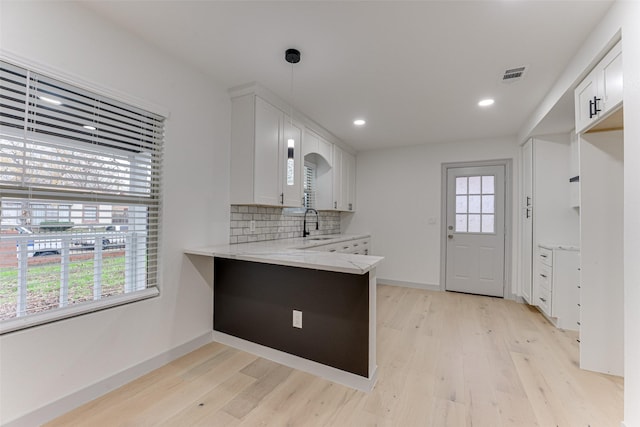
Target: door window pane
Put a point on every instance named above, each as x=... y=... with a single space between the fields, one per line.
x=461 y=204
x=488 y=206
x=474 y=223
x=488 y=223
x=474 y=204
x=461 y=185
x=488 y=184
x=461 y=223
x=474 y=185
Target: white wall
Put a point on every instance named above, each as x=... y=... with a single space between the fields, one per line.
x=399 y=191
x=631 y=64
x=43 y=364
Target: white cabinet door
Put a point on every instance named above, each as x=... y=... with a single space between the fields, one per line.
x=349 y=174
x=344 y=180
x=585 y=94
x=268 y=127
x=291 y=165
x=527 y=222
x=338 y=159
x=611 y=79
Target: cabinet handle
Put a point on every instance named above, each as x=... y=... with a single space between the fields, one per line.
x=528 y=201
x=542 y=299
x=282 y=198
x=528 y=213
x=578 y=323
x=578 y=305
x=543 y=275
x=350 y=206
x=543 y=256
x=593 y=107
x=335 y=205
x=578 y=340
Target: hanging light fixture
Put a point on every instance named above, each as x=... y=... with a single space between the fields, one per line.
x=292 y=56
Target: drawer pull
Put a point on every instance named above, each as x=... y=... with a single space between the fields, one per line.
x=543 y=256
x=345 y=247
x=578 y=340
x=578 y=323
x=543 y=275
x=542 y=299
x=578 y=304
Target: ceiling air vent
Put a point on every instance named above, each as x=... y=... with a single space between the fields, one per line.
x=513 y=74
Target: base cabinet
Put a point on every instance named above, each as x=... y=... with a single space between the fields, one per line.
x=556 y=281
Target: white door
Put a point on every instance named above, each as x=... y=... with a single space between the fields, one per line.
x=475 y=230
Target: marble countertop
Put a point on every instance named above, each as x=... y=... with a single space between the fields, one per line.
x=296 y=252
x=561 y=247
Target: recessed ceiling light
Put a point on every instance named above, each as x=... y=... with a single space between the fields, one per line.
x=486 y=102
x=50 y=100
x=89 y=127
x=359 y=122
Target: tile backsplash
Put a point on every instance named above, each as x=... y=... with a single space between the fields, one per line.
x=272 y=224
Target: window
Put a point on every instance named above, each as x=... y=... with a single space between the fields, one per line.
x=475 y=204
x=73 y=164
x=309 y=185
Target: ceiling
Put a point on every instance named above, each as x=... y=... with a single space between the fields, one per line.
x=413 y=70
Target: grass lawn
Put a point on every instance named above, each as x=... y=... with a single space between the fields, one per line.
x=43 y=283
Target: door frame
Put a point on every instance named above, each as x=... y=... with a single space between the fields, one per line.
x=508 y=219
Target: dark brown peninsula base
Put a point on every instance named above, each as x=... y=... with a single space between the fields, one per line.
x=255 y=302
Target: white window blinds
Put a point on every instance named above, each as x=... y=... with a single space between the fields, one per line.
x=80 y=179
x=309 y=185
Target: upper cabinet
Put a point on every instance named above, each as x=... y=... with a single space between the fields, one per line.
x=344 y=177
x=266 y=154
x=277 y=161
x=600 y=93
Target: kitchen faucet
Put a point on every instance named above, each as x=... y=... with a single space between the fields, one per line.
x=305 y=233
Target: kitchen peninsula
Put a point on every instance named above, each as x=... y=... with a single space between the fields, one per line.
x=300 y=302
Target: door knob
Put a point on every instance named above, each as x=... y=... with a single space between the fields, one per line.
x=450 y=236
x=450 y=227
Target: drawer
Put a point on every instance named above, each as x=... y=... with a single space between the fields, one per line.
x=544 y=300
x=545 y=256
x=545 y=277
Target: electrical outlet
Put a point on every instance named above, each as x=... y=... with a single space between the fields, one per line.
x=297 y=319
x=252 y=226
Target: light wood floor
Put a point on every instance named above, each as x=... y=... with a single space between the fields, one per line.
x=444 y=359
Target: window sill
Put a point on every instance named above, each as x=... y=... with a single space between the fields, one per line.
x=20 y=323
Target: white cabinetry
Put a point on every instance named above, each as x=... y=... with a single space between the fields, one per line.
x=555 y=286
x=526 y=208
x=265 y=154
x=600 y=93
x=545 y=214
x=355 y=246
x=344 y=180
x=314 y=143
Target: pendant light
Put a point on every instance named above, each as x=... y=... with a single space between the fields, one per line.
x=292 y=56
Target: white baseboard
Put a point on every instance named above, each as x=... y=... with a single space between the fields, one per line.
x=327 y=372
x=87 y=394
x=415 y=285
